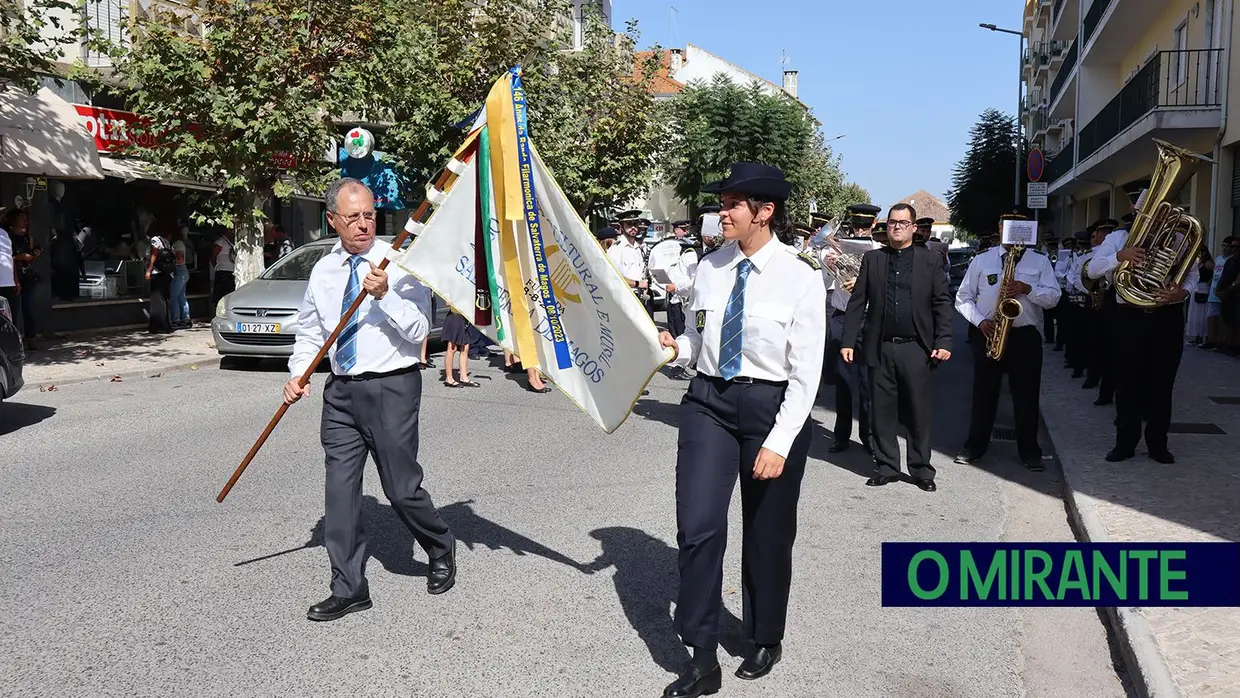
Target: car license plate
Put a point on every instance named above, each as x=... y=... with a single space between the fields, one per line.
x=259 y=327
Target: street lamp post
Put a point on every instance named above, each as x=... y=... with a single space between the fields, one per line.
x=1020 y=44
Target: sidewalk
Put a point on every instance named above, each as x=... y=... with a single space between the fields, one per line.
x=1174 y=652
x=128 y=354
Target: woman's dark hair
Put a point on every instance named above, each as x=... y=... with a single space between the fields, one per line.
x=781 y=223
x=10 y=217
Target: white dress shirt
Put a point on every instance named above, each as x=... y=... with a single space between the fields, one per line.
x=1105 y=262
x=1063 y=268
x=839 y=294
x=979 y=291
x=390 y=331
x=682 y=273
x=1075 y=284
x=785 y=330
x=628 y=258
x=7 y=276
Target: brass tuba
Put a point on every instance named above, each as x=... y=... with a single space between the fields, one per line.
x=1007 y=309
x=1170 y=237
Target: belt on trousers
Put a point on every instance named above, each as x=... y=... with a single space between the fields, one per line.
x=374 y=375
x=743 y=380
x=901 y=340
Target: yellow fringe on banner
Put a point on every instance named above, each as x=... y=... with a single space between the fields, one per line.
x=506 y=183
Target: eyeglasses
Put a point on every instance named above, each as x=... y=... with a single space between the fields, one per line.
x=899 y=224
x=368 y=216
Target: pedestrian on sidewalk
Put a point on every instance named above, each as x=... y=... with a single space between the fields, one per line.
x=905 y=303
x=371 y=400
x=456 y=332
x=223 y=262
x=1035 y=287
x=1197 y=306
x=160 y=268
x=745 y=414
x=180 y=279
x=1148 y=345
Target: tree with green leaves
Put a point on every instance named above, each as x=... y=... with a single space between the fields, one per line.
x=718 y=123
x=594 y=122
x=34 y=36
x=983 y=182
x=248 y=104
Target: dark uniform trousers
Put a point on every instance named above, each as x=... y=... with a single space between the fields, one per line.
x=676 y=318
x=1102 y=349
x=900 y=393
x=1064 y=316
x=1149 y=345
x=1022 y=363
x=850 y=379
x=722 y=427
x=376 y=416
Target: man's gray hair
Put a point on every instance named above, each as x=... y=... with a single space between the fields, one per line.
x=332 y=197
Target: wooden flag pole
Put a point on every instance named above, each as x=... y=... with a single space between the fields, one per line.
x=444 y=181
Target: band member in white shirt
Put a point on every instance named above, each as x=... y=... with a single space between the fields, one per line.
x=371 y=400
x=1036 y=289
x=1148 y=344
x=629 y=256
x=745 y=415
x=681 y=273
x=1095 y=322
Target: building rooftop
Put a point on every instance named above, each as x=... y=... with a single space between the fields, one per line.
x=928 y=206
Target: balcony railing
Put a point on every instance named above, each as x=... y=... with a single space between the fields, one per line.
x=1060 y=164
x=1169 y=79
x=1092 y=18
x=1039 y=121
x=1057 y=12
x=1061 y=78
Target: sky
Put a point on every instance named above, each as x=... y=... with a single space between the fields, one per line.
x=923 y=69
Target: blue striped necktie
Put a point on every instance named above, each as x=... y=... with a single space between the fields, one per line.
x=346 y=344
x=733 y=330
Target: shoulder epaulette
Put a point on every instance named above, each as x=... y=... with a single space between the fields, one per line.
x=809 y=259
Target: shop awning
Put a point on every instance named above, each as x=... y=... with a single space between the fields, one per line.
x=129 y=169
x=40 y=135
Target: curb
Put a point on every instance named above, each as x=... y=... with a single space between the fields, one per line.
x=204 y=362
x=1147 y=667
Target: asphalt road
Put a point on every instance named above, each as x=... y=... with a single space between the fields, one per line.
x=123 y=576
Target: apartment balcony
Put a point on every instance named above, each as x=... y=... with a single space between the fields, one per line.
x=1174 y=97
x=1065 y=16
x=1094 y=17
x=1063 y=88
x=1116 y=23
x=114 y=19
x=1060 y=164
x=1039 y=123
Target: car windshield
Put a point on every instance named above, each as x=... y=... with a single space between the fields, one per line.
x=296 y=265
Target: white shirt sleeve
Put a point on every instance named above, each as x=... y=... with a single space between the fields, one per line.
x=407 y=306
x=689 y=344
x=966 y=295
x=1046 y=292
x=807 y=339
x=310 y=335
x=1104 y=260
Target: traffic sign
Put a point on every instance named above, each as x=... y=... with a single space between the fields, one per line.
x=1037 y=165
x=1037 y=202
x=1037 y=189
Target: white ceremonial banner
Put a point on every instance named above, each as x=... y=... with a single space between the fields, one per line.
x=612 y=341
x=1020 y=233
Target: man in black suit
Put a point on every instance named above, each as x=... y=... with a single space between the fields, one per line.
x=904 y=298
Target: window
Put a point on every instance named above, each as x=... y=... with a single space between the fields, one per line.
x=1180 y=58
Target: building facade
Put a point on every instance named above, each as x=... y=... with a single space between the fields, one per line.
x=1103 y=79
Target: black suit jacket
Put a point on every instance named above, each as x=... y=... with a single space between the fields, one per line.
x=932 y=304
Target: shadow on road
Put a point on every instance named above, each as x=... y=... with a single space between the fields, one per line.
x=19 y=415
x=646 y=570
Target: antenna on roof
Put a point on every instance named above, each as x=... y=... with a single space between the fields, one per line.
x=672 y=12
x=783 y=59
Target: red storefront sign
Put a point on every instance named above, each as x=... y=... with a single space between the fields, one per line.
x=111 y=129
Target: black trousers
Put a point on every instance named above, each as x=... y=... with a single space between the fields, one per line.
x=1063 y=322
x=900 y=394
x=1104 y=349
x=676 y=318
x=1022 y=363
x=850 y=380
x=1050 y=321
x=722 y=427
x=158 y=309
x=378 y=417
x=1149 y=346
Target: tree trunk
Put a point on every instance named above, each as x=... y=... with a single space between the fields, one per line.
x=249 y=241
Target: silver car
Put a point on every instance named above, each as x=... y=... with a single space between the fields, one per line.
x=259 y=320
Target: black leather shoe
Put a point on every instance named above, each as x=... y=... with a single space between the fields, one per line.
x=1102 y=401
x=759 y=662
x=966 y=458
x=880 y=480
x=926 y=485
x=1116 y=455
x=443 y=573
x=1162 y=455
x=695 y=682
x=1033 y=463
x=335 y=607
x=1090 y=384
x=838 y=447
x=1077 y=373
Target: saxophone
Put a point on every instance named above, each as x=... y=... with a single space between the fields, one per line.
x=1007 y=309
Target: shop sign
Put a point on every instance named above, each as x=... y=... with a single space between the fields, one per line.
x=111 y=129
